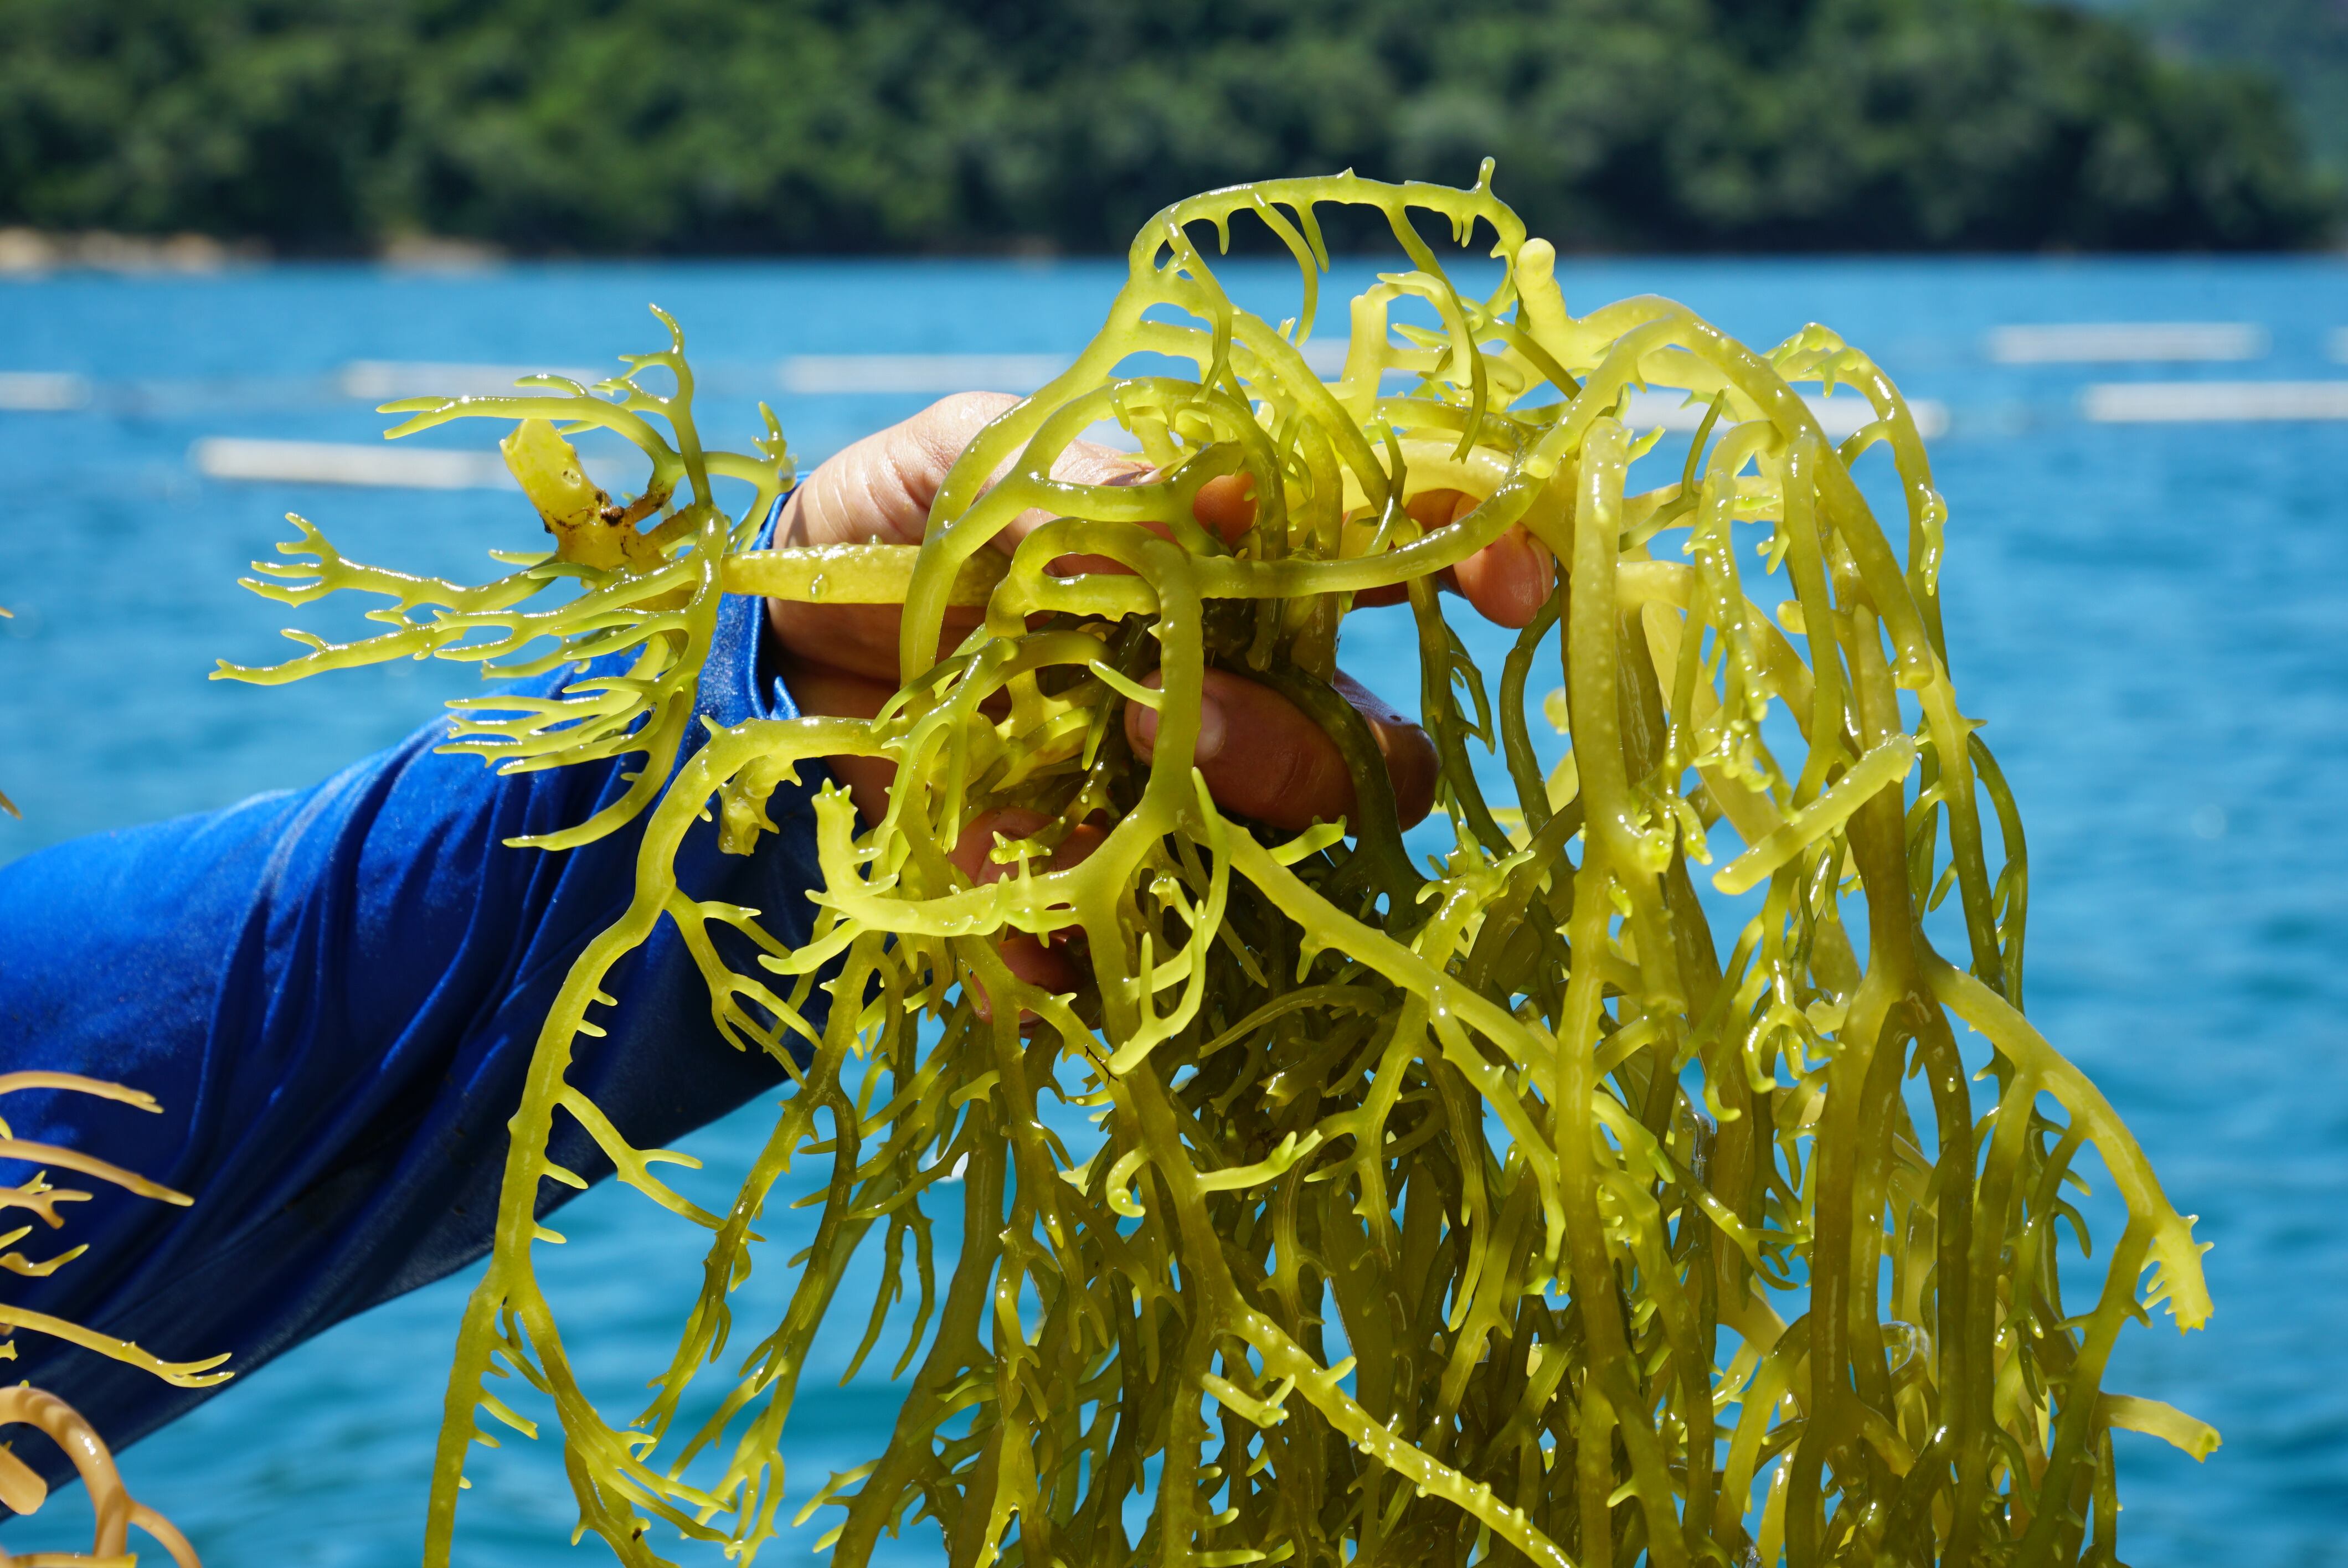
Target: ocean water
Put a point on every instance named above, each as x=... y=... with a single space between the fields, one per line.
x=2153 y=620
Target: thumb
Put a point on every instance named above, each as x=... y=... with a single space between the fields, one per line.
x=878 y=489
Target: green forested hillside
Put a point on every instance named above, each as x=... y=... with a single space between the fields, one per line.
x=2302 y=42
x=753 y=125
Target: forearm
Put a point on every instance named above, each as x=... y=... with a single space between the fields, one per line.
x=335 y=995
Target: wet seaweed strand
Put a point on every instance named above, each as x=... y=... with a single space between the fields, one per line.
x=40 y=1197
x=114 y=1511
x=22 y=1490
x=1477 y=1210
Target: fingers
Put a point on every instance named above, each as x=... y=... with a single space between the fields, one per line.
x=879 y=488
x=1508 y=580
x=1222 y=504
x=1225 y=506
x=1264 y=759
x=825 y=688
x=1048 y=962
x=882 y=489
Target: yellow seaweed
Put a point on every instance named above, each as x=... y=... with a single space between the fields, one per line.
x=40 y=1197
x=1483 y=1211
x=114 y=1510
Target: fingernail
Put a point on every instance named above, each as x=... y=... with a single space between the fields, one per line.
x=1211 y=730
x=1544 y=570
x=1524 y=577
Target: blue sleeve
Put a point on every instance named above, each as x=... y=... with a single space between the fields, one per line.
x=335 y=993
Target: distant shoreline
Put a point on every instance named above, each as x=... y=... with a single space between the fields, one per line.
x=33 y=252
x=27 y=254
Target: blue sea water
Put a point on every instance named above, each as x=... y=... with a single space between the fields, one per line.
x=2153 y=620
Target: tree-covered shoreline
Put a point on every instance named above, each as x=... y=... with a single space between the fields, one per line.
x=2302 y=44
x=728 y=126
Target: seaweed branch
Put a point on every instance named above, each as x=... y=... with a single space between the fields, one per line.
x=1503 y=1211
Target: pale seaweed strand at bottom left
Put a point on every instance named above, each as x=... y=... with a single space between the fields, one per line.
x=22 y=1490
x=38 y=1196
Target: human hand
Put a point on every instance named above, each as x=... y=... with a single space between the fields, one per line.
x=1261 y=756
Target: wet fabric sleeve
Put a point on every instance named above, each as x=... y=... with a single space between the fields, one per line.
x=334 y=993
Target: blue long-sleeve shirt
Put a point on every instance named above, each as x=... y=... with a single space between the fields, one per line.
x=334 y=993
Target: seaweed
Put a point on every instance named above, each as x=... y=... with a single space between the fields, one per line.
x=22 y=1490
x=1472 y=1209
x=114 y=1510
x=40 y=1197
